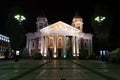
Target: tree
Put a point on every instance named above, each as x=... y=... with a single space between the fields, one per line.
x=102 y=24
x=25 y=53
x=14 y=29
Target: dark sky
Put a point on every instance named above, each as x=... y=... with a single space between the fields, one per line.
x=54 y=10
x=63 y=10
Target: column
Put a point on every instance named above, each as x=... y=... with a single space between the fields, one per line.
x=77 y=46
x=64 y=45
x=45 y=46
x=79 y=43
x=29 y=47
x=55 y=55
x=73 y=42
x=39 y=46
x=89 y=47
x=42 y=44
x=87 y=44
x=54 y=44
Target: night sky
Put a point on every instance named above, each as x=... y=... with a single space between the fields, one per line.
x=58 y=10
x=54 y=10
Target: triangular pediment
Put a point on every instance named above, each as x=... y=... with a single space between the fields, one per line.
x=60 y=28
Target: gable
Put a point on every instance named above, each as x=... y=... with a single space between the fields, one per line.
x=60 y=28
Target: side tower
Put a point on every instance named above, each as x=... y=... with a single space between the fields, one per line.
x=41 y=22
x=77 y=22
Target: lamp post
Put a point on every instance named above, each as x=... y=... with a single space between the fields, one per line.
x=20 y=18
x=101 y=33
x=20 y=31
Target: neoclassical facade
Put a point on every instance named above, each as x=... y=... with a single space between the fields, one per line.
x=59 y=39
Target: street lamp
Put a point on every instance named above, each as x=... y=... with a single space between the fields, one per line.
x=99 y=19
x=20 y=18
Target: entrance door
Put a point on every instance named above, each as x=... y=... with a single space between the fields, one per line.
x=59 y=52
x=50 y=51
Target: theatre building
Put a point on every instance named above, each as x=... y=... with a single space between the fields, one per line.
x=59 y=39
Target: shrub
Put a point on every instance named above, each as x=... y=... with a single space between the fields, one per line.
x=114 y=56
x=83 y=54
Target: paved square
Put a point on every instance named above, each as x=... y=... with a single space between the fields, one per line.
x=58 y=70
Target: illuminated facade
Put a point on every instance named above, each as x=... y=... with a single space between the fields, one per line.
x=4 y=44
x=59 y=39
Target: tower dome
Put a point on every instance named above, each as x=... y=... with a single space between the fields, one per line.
x=77 y=22
x=41 y=21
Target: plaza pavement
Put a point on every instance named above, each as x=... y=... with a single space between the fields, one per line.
x=58 y=70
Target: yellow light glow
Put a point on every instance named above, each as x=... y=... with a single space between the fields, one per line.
x=45 y=55
x=54 y=55
x=41 y=51
x=74 y=55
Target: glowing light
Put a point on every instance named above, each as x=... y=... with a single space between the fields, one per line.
x=100 y=18
x=65 y=55
x=54 y=49
x=45 y=50
x=55 y=46
x=73 y=41
x=41 y=51
x=4 y=38
x=100 y=52
x=45 y=55
x=77 y=54
x=74 y=55
x=20 y=18
x=54 y=55
x=17 y=52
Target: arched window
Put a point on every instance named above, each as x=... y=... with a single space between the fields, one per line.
x=51 y=42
